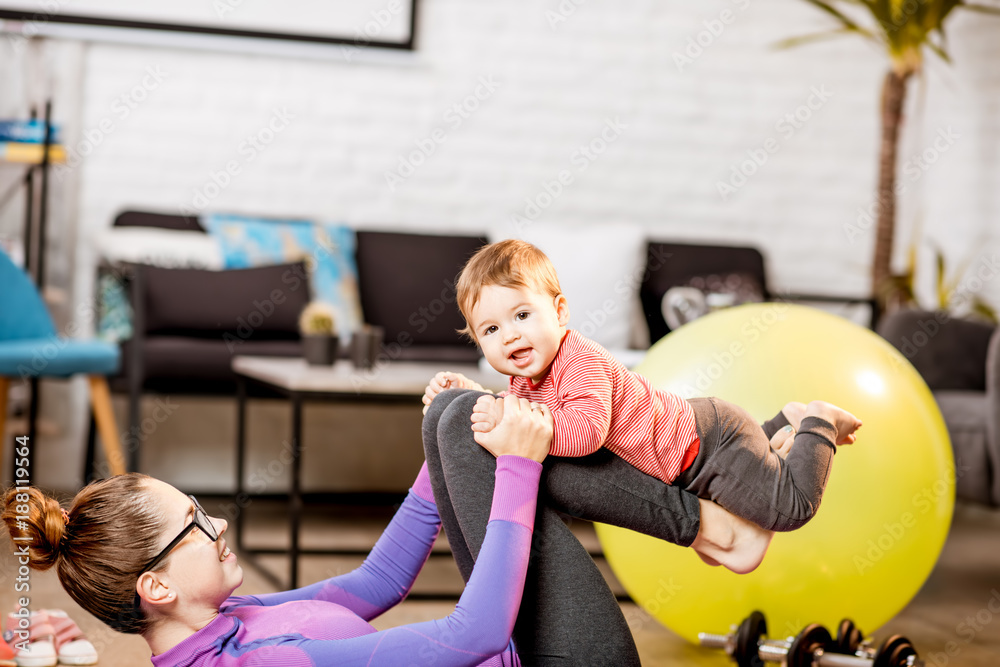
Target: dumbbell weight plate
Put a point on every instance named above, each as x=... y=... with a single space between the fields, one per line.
x=849 y=638
x=894 y=652
x=751 y=631
x=812 y=637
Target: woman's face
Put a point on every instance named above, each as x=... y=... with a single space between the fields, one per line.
x=198 y=570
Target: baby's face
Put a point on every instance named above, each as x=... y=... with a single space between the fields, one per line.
x=518 y=329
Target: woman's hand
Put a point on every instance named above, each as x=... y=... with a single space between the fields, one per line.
x=525 y=429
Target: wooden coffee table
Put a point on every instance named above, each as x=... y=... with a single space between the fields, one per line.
x=392 y=382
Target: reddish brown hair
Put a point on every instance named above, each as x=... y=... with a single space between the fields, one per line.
x=114 y=530
x=510 y=263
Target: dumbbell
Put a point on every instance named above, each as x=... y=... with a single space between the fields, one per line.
x=849 y=639
x=741 y=644
x=896 y=650
x=813 y=647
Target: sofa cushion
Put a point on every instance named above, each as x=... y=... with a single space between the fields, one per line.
x=326 y=248
x=677 y=264
x=167 y=248
x=600 y=268
x=231 y=305
x=407 y=284
x=949 y=353
x=170 y=363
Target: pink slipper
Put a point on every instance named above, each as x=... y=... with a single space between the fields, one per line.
x=72 y=646
x=32 y=638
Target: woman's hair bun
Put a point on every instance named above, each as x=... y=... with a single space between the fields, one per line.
x=34 y=520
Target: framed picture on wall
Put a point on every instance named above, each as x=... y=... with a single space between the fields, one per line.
x=383 y=24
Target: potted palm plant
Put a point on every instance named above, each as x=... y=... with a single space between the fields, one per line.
x=905 y=29
x=317 y=324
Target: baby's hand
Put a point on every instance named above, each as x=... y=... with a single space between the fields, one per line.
x=487 y=413
x=446 y=380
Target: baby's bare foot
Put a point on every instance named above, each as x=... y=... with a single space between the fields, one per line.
x=842 y=420
x=486 y=413
x=728 y=540
x=708 y=560
x=783 y=440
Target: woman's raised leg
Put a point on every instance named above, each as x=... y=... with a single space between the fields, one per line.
x=568 y=614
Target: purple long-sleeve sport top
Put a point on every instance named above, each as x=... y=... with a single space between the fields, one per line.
x=326 y=624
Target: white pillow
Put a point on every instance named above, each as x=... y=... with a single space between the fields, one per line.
x=167 y=248
x=600 y=270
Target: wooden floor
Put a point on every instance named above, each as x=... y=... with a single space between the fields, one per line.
x=951 y=613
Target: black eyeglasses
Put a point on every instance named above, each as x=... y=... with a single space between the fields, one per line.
x=200 y=521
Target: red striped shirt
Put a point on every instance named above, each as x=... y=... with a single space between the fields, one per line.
x=597 y=402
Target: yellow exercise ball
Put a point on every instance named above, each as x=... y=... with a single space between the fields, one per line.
x=888 y=504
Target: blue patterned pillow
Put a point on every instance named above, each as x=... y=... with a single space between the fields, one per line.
x=114 y=319
x=327 y=249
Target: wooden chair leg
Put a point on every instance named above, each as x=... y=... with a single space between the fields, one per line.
x=100 y=399
x=4 y=389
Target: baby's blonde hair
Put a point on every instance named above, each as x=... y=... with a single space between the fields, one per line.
x=510 y=263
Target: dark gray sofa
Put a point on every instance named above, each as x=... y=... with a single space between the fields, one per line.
x=960 y=361
x=189 y=323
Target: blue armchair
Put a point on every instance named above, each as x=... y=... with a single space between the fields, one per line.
x=30 y=349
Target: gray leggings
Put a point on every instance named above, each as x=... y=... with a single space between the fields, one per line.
x=568 y=615
x=737 y=468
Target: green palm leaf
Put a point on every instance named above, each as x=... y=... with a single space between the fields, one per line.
x=820 y=36
x=907 y=29
x=983 y=309
x=836 y=13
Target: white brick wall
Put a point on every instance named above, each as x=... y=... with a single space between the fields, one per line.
x=558 y=84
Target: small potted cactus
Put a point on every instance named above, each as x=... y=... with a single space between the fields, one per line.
x=317 y=324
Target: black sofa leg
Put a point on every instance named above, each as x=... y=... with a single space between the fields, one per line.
x=88 y=458
x=132 y=439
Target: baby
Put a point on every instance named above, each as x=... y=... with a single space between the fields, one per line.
x=515 y=311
